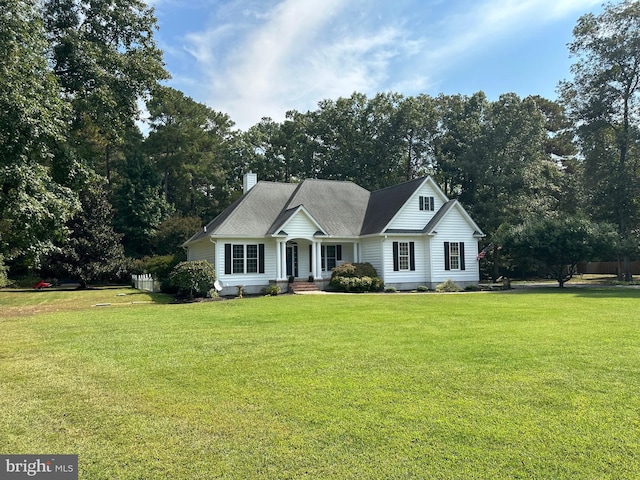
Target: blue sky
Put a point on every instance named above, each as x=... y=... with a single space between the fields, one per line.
x=260 y=58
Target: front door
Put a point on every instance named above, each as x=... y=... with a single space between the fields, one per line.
x=292 y=260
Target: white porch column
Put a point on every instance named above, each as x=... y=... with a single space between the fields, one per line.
x=278 y=260
x=283 y=259
x=355 y=253
x=314 y=270
x=318 y=259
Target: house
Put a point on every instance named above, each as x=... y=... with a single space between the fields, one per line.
x=411 y=233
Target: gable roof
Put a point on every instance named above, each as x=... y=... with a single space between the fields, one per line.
x=281 y=223
x=385 y=203
x=340 y=209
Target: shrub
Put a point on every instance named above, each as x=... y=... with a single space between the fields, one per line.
x=271 y=290
x=422 y=288
x=354 y=270
x=472 y=288
x=448 y=286
x=391 y=289
x=356 y=277
x=357 y=284
x=193 y=278
x=4 y=277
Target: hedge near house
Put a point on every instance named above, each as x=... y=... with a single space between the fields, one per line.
x=356 y=277
x=195 y=278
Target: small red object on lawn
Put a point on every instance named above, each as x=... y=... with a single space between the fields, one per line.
x=41 y=284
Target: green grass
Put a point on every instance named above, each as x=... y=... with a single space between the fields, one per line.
x=537 y=384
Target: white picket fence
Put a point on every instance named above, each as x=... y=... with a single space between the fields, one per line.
x=145 y=282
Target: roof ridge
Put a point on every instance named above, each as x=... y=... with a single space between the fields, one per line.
x=418 y=179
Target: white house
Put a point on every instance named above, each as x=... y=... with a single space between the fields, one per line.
x=411 y=233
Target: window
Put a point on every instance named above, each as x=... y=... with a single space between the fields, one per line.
x=252 y=258
x=427 y=203
x=331 y=254
x=404 y=256
x=454 y=256
x=240 y=258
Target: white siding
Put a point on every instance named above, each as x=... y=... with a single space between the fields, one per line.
x=454 y=228
x=410 y=217
x=300 y=226
x=203 y=250
x=253 y=282
x=371 y=252
x=411 y=278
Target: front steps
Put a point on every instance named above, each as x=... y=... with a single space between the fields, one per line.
x=303 y=287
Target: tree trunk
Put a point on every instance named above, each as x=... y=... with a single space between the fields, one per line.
x=496 y=269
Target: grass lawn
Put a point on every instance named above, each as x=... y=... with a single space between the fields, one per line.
x=538 y=384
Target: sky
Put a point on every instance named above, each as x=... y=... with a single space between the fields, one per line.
x=261 y=58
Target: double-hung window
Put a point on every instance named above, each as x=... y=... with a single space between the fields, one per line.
x=404 y=256
x=243 y=258
x=238 y=259
x=454 y=256
x=252 y=258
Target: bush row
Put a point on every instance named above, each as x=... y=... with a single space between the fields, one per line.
x=356 y=277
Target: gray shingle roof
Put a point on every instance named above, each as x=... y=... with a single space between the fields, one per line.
x=252 y=214
x=342 y=209
x=338 y=207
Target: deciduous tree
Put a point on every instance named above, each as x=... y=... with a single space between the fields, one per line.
x=33 y=206
x=604 y=100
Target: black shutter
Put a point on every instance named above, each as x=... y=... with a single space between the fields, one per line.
x=396 y=266
x=461 y=255
x=310 y=258
x=227 y=259
x=431 y=204
x=447 y=263
x=261 y=258
x=412 y=255
x=338 y=252
x=421 y=203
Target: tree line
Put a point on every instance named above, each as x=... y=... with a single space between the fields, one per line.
x=83 y=192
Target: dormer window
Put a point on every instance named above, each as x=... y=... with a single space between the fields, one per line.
x=427 y=203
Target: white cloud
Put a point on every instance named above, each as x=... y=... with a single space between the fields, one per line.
x=264 y=58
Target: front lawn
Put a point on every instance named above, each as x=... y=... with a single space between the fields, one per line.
x=536 y=384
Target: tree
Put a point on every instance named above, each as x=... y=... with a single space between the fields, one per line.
x=604 y=101
x=189 y=145
x=33 y=206
x=418 y=127
x=359 y=139
x=173 y=232
x=557 y=243
x=139 y=207
x=105 y=58
x=93 y=250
